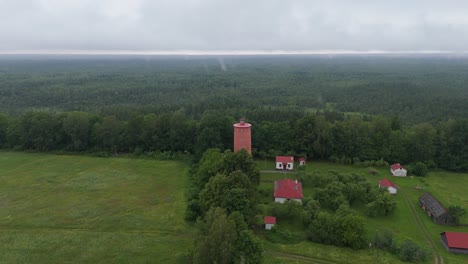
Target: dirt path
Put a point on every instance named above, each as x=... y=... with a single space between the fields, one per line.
x=423 y=228
x=298 y=257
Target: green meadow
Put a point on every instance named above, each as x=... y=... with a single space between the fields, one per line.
x=77 y=209
x=450 y=188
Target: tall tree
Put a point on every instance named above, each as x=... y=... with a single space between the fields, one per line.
x=421 y=144
x=77 y=126
x=4 y=122
x=109 y=133
x=216 y=239
x=241 y=160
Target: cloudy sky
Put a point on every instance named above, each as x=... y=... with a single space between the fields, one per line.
x=250 y=26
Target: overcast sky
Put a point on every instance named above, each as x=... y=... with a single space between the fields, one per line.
x=250 y=26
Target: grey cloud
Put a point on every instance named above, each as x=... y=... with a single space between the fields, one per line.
x=144 y=25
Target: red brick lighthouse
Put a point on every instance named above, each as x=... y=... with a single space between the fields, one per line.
x=242 y=136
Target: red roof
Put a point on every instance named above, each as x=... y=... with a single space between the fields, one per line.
x=386 y=183
x=396 y=166
x=457 y=240
x=242 y=125
x=288 y=189
x=284 y=159
x=269 y=220
x=302 y=159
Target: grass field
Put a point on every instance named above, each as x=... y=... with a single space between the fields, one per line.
x=76 y=209
x=449 y=188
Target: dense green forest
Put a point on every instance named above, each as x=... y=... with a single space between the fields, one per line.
x=346 y=108
x=416 y=89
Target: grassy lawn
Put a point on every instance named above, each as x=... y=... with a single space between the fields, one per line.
x=64 y=209
x=449 y=188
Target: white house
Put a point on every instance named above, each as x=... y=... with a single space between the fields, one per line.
x=269 y=221
x=288 y=189
x=302 y=162
x=398 y=170
x=284 y=162
x=386 y=184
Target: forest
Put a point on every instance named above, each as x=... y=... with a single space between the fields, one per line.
x=347 y=109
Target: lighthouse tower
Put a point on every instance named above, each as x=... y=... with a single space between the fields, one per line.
x=242 y=136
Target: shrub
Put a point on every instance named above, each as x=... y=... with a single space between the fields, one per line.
x=456 y=212
x=410 y=251
x=284 y=237
x=381 y=163
x=290 y=210
x=419 y=169
x=373 y=171
x=384 y=239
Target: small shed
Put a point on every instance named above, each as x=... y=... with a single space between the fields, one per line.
x=398 y=170
x=288 y=189
x=386 y=184
x=455 y=242
x=302 y=162
x=269 y=221
x=284 y=162
x=435 y=210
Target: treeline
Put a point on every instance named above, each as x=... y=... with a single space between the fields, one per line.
x=337 y=137
x=417 y=89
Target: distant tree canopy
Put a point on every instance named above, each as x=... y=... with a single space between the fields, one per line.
x=417 y=90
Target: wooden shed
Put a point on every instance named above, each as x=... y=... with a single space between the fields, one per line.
x=435 y=210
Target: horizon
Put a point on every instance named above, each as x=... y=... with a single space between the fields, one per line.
x=231 y=52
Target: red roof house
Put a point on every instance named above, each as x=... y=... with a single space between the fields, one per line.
x=269 y=221
x=386 y=184
x=455 y=242
x=398 y=170
x=288 y=189
x=284 y=162
x=302 y=161
x=396 y=166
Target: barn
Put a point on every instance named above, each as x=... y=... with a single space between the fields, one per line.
x=269 y=221
x=398 y=170
x=435 y=210
x=455 y=242
x=386 y=184
x=284 y=162
x=288 y=189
